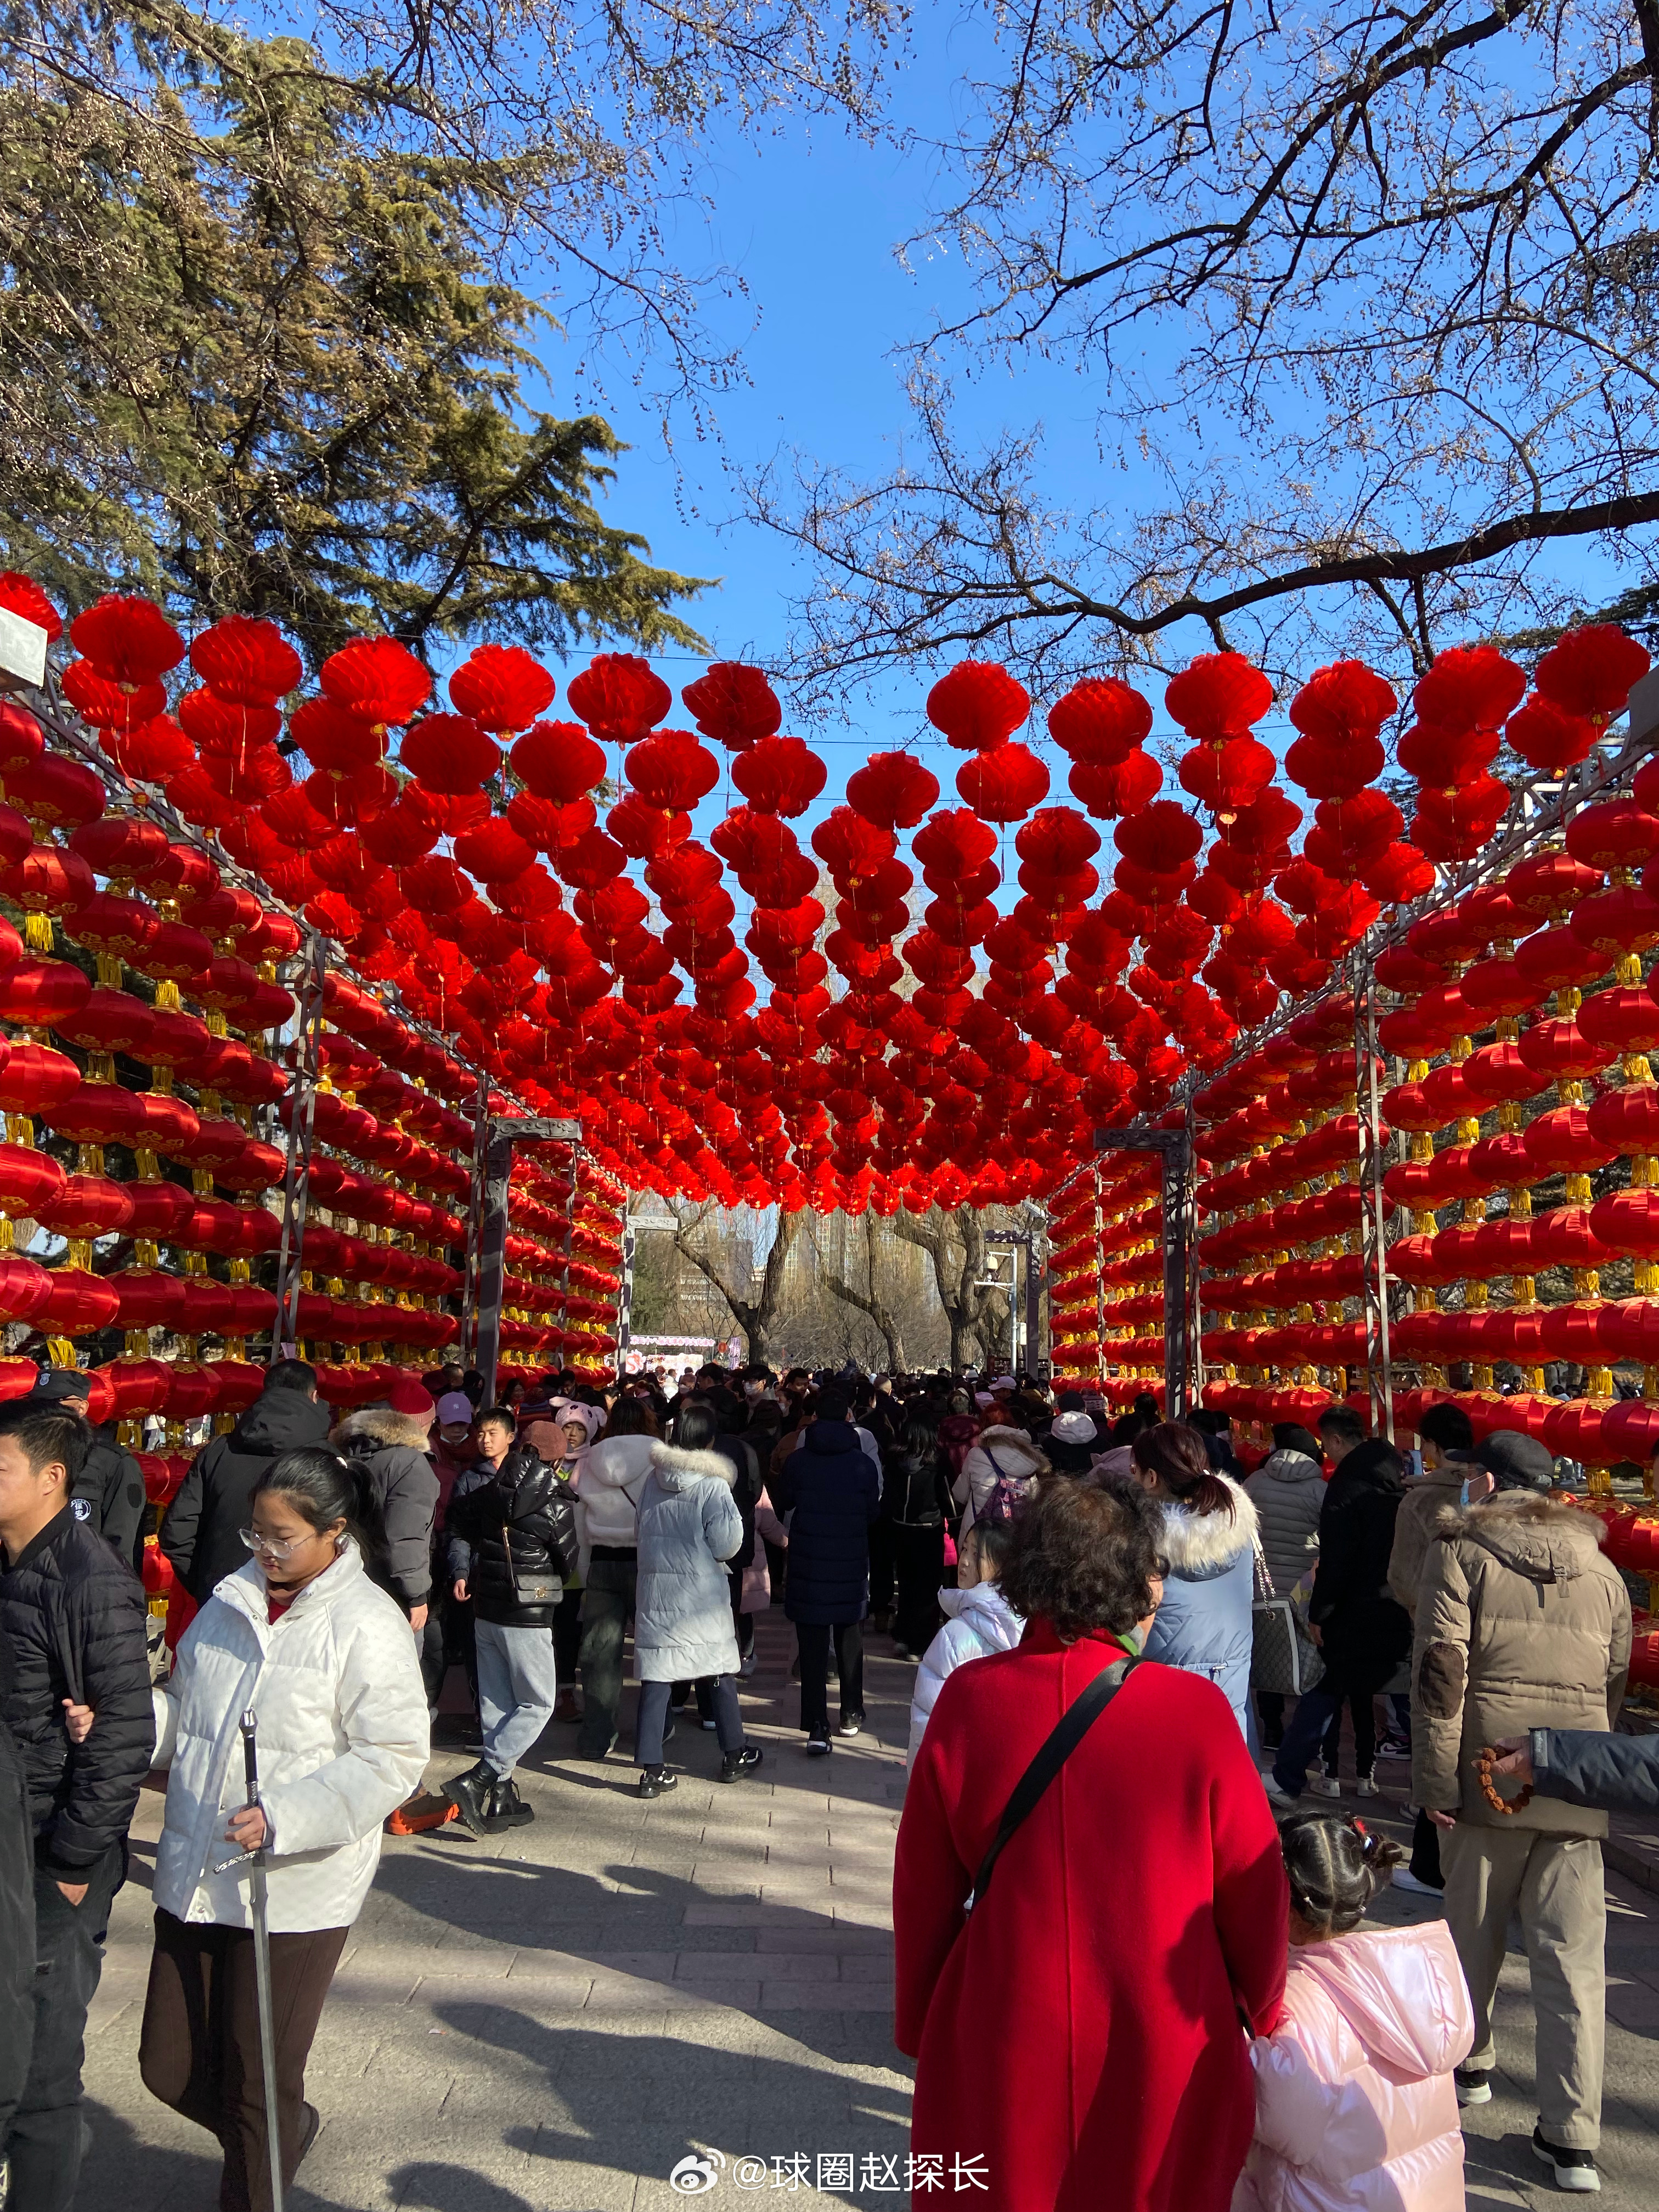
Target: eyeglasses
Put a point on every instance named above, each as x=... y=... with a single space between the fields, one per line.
x=271 y=1547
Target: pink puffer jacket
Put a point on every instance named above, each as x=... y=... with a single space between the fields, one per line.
x=1355 y=2106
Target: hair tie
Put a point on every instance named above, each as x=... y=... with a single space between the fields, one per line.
x=1368 y=1842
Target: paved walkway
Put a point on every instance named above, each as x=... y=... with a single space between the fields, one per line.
x=548 y=2022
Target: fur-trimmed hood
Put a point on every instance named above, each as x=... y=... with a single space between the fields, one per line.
x=677 y=1468
x=374 y=1426
x=1197 y=1545
x=1013 y=1447
x=1531 y=1534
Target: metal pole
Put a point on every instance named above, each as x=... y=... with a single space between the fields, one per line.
x=1174 y=1151
x=1373 y=1247
x=1190 y=1225
x=625 y=1292
x=475 y=1223
x=1035 y=1363
x=296 y=1177
x=1100 y=1284
x=258 y=1914
x=492 y=1253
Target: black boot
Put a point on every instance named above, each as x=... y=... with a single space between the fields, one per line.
x=470 y=1795
x=736 y=1764
x=507 y=1808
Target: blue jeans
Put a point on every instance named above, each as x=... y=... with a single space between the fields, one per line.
x=1318 y=1717
x=517 y=1684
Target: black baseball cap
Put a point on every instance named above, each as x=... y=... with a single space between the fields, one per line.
x=55 y=1385
x=1514 y=1460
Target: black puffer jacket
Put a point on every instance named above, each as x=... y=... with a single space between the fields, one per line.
x=200 y=1531
x=393 y=1448
x=915 y=1492
x=831 y=1485
x=521 y=1503
x=16 y=1914
x=74 y=1616
x=109 y=1493
x=1367 y=1633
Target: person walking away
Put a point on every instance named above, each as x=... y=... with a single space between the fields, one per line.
x=1072 y=1439
x=1365 y=1634
x=303 y=1636
x=1206 y=1623
x=1355 y=2102
x=1287 y=1491
x=512 y=1533
x=608 y=1493
x=733 y=1440
x=1521 y=1622
x=72 y=1622
x=200 y=1531
x=915 y=1508
x=16 y=1917
x=978 y=1620
x=957 y=1430
x=1448 y=1439
x=1002 y=1460
x=1099 y=1980
x=688 y=1529
x=109 y=1491
x=391 y=1440
x=828 y=1494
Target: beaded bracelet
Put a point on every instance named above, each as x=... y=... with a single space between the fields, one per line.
x=1484 y=1760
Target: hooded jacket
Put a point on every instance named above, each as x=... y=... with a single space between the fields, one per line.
x=1206 y=1624
x=393 y=1447
x=998 y=1454
x=977 y=1620
x=690 y=1527
x=1425 y=1501
x=1355 y=2105
x=1288 y=1490
x=829 y=1493
x=73 y=1615
x=1521 y=1622
x=609 y=1489
x=1366 y=1634
x=200 y=1530
x=342 y=1739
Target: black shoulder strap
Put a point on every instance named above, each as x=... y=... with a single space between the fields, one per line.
x=1063 y=1739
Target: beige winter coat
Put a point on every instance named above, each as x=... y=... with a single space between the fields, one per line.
x=1425 y=1501
x=1521 y=1622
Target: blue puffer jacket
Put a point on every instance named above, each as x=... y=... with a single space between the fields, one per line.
x=829 y=1483
x=1205 y=1623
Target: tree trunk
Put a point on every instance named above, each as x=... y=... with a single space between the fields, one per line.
x=870 y=1302
x=955 y=1242
x=753 y=1316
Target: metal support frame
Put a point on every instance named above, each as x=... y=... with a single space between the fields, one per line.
x=1373 y=1244
x=500 y=1139
x=625 y=1290
x=1018 y=1241
x=475 y=1223
x=1174 y=1150
x=1100 y=1281
x=302 y=1119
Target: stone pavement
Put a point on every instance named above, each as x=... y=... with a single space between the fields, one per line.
x=549 y=2020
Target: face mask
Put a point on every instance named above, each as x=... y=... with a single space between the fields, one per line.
x=1463 y=1497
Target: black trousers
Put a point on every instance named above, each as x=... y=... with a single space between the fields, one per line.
x=43 y=2147
x=606 y=1603
x=198 y=2050
x=814 y=1638
x=882 y=1565
x=919 y=1560
x=1425 y=1852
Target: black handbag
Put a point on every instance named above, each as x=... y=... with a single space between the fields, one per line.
x=1063 y=1738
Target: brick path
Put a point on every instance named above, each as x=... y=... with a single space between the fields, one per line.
x=547 y=2021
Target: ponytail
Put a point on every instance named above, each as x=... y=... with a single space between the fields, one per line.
x=1175 y=1453
x=323 y=1488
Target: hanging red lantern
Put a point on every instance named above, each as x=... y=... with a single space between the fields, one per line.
x=781 y=775
x=55 y=793
x=376 y=679
x=39 y=994
x=246 y=660
x=1547 y=739
x=734 y=704
x=1219 y=695
x=1614 y=833
x=1469 y=688
x=1338 y=712
x=1101 y=722
x=619 y=697
x=672 y=770
x=81 y=1303
x=87 y=1206
x=28 y=1180
x=1227 y=775
x=1558 y=960
x=1403 y=873
x=21 y=595
x=977 y=705
x=1003 y=785
x=449 y=753
x=502 y=688
x=1620 y=920
x=1551 y=884
x=332 y=738
x=1590 y=671
x=128 y=639
x=107 y=705
x=558 y=761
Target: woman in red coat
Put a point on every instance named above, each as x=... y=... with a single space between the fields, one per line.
x=1080 y=2037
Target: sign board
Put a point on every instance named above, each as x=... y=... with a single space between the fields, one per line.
x=22 y=648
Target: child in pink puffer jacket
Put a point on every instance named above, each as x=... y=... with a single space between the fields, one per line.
x=1356 y=2110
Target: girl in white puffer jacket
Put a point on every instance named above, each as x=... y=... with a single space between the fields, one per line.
x=1356 y=2108
x=979 y=1621
x=327 y=1663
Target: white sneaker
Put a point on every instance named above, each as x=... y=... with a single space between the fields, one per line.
x=1405 y=1880
x=1324 y=1785
x=1277 y=1794
x=1366 y=1787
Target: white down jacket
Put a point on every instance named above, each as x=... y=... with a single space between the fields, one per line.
x=978 y=1620
x=997 y=1455
x=342 y=1739
x=609 y=1489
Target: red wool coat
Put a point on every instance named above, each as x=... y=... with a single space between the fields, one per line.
x=1080 y=2033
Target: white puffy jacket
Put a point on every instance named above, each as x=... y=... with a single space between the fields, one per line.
x=979 y=1621
x=609 y=1489
x=997 y=1455
x=342 y=1739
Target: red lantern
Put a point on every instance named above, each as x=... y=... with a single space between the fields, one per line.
x=619 y=696
x=80 y=1304
x=128 y=639
x=781 y=775
x=1101 y=722
x=733 y=704
x=1217 y=697
x=1004 y=784
x=977 y=705
x=450 y=754
x=1590 y=671
x=502 y=688
x=376 y=679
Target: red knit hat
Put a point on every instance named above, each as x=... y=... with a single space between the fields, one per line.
x=407 y=1396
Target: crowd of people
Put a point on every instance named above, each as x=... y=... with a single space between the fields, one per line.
x=1190 y=2000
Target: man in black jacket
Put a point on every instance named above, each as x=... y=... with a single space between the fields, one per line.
x=511 y=1525
x=16 y=1913
x=73 y=1617
x=201 y=1531
x=109 y=1491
